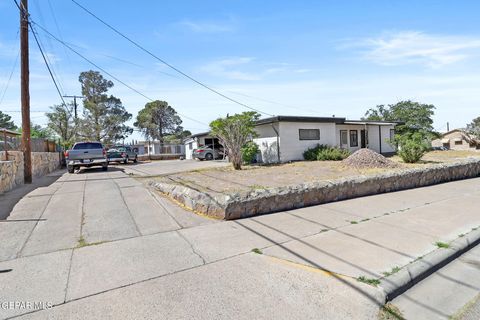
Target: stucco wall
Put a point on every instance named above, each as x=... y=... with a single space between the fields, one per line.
x=292 y=148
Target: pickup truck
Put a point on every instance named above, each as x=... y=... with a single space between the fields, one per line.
x=86 y=154
x=121 y=154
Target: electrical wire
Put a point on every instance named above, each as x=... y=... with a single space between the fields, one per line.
x=46 y=62
x=14 y=66
x=168 y=64
x=105 y=71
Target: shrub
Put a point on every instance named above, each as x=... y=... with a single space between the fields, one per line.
x=323 y=152
x=412 y=147
x=249 y=151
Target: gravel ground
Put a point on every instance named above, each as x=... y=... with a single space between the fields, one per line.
x=366 y=158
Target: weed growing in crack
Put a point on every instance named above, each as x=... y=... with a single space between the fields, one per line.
x=442 y=244
x=370 y=281
x=389 y=273
x=257 y=251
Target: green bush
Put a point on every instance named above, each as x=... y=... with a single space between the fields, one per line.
x=249 y=151
x=323 y=152
x=412 y=147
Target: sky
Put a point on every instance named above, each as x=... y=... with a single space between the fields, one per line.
x=310 y=58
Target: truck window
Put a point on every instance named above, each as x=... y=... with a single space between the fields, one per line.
x=87 y=145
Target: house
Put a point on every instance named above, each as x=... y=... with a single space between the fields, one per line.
x=285 y=138
x=457 y=140
x=157 y=148
x=199 y=139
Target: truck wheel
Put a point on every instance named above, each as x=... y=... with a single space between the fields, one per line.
x=125 y=161
x=208 y=156
x=135 y=160
x=105 y=167
x=70 y=169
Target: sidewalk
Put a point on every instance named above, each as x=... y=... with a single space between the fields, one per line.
x=108 y=247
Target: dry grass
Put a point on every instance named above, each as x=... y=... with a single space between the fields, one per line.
x=227 y=180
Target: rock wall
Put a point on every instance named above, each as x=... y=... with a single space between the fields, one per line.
x=235 y=206
x=12 y=172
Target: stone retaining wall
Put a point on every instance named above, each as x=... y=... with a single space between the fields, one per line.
x=12 y=173
x=235 y=206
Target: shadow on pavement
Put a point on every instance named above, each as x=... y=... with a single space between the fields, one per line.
x=9 y=199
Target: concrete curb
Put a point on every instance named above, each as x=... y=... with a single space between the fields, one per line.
x=411 y=274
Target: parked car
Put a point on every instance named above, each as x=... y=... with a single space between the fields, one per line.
x=440 y=148
x=207 y=153
x=86 y=154
x=121 y=154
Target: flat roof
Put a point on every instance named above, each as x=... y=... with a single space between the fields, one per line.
x=374 y=122
x=338 y=120
x=300 y=119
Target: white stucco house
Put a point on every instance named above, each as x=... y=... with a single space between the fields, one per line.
x=285 y=138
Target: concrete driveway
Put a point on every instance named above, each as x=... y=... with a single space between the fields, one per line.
x=101 y=245
x=163 y=167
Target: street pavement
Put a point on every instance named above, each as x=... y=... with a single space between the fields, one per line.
x=103 y=245
x=453 y=290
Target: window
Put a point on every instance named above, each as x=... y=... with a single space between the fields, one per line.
x=392 y=134
x=343 y=138
x=458 y=142
x=190 y=146
x=353 y=138
x=87 y=145
x=309 y=134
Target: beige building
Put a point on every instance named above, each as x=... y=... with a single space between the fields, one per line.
x=457 y=140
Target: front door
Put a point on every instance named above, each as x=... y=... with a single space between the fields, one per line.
x=363 y=139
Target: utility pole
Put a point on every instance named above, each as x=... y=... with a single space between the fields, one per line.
x=448 y=127
x=75 y=103
x=25 y=93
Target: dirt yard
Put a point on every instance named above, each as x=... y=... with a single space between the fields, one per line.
x=227 y=180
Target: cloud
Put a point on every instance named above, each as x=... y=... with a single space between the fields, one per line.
x=247 y=68
x=229 y=68
x=413 y=47
x=207 y=26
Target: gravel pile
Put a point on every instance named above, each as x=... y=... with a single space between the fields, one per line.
x=366 y=158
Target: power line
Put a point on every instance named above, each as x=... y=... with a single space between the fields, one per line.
x=105 y=71
x=167 y=64
x=14 y=66
x=46 y=62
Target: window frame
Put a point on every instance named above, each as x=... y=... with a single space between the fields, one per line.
x=308 y=139
x=351 y=140
x=346 y=138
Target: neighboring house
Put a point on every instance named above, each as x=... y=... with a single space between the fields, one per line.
x=285 y=138
x=457 y=140
x=155 y=147
x=199 y=139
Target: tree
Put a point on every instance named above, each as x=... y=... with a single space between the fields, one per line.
x=104 y=116
x=417 y=117
x=412 y=147
x=7 y=122
x=473 y=128
x=178 y=137
x=62 y=122
x=37 y=131
x=234 y=132
x=158 y=120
